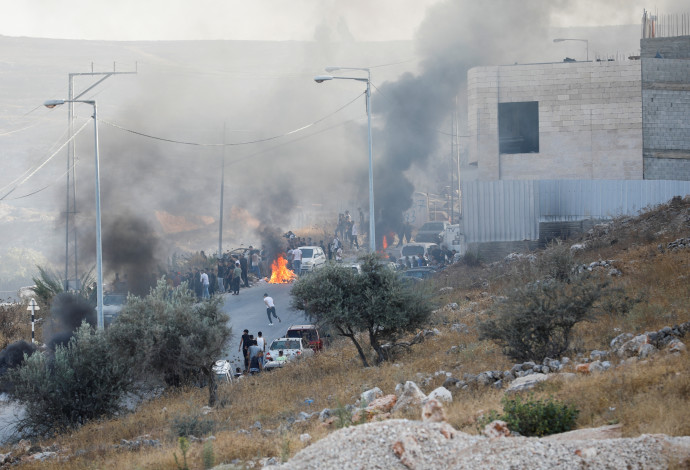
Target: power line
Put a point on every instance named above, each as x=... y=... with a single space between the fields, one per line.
x=231 y=144
x=32 y=173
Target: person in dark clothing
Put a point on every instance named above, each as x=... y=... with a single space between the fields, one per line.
x=197 y=286
x=256 y=366
x=245 y=268
x=245 y=342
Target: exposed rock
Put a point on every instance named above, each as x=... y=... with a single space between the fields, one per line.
x=410 y=395
x=382 y=404
x=460 y=328
x=409 y=452
x=496 y=429
x=526 y=383
x=646 y=350
x=304 y=437
x=367 y=397
x=451 y=382
x=433 y=411
x=619 y=340
x=676 y=346
x=582 y=368
x=441 y=394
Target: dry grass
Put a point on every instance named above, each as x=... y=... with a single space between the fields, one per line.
x=648 y=397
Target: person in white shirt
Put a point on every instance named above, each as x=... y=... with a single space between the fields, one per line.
x=297 y=260
x=353 y=239
x=204 y=284
x=261 y=343
x=270 y=309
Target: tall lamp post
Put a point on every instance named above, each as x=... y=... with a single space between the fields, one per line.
x=572 y=39
x=323 y=78
x=99 y=248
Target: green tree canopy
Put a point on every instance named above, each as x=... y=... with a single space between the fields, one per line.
x=375 y=301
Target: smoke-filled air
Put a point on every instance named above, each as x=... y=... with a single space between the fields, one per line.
x=292 y=153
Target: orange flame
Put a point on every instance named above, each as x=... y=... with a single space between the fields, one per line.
x=385 y=243
x=280 y=274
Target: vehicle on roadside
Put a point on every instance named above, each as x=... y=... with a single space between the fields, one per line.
x=415 y=250
x=431 y=232
x=112 y=305
x=309 y=333
x=292 y=349
x=313 y=258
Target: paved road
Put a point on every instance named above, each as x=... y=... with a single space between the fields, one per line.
x=247 y=310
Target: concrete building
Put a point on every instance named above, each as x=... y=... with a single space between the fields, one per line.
x=556 y=147
x=579 y=120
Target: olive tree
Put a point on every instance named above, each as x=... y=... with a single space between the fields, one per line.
x=376 y=302
x=170 y=335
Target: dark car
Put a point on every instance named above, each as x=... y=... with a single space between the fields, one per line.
x=431 y=232
x=419 y=273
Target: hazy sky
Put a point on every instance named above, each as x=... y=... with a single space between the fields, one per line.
x=364 y=20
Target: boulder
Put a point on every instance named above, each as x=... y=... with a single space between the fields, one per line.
x=646 y=350
x=526 y=382
x=382 y=404
x=410 y=396
x=676 y=346
x=441 y=394
x=582 y=368
x=619 y=340
x=367 y=397
x=496 y=429
x=433 y=411
x=304 y=437
x=451 y=382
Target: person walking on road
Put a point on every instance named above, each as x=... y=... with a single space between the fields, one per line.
x=244 y=345
x=270 y=309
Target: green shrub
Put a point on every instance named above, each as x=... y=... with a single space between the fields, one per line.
x=534 y=417
x=557 y=261
x=534 y=322
x=170 y=335
x=195 y=423
x=208 y=456
x=81 y=381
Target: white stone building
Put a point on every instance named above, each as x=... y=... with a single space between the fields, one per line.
x=577 y=120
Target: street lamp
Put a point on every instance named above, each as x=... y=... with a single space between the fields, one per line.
x=99 y=248
x=571 y=39
x=323 y=78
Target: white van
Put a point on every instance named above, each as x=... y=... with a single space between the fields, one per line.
x=313 y=258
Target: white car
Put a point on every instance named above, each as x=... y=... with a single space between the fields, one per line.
x=292 y=349
x=313 y=258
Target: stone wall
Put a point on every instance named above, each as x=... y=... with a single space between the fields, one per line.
x=666 y=108
x=590 y=120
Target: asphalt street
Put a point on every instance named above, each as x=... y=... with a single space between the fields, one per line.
x=248 y=310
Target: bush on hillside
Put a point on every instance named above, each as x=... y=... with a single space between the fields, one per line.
x=534 y=417
x=171 y=336
x=81 y=381
x=375 y=301
x=534 y=322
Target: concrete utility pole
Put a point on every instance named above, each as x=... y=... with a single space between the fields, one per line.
x=71 y=159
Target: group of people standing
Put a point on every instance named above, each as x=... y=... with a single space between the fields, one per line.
x=347 y=229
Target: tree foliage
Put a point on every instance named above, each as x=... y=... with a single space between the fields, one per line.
x=79 y=382
x=535 y=321
x=170 y=335
x=48 y=284
x=375 y=302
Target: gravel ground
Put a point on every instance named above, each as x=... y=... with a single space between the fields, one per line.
x=404 y=444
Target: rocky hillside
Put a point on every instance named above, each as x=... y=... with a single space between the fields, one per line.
x=625 y=371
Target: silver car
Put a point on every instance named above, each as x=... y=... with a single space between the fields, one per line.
x=292 y=349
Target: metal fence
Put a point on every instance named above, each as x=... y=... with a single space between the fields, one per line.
x=502 y=211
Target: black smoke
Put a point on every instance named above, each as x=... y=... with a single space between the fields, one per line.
x=67 y=312
x=454 y=37
x=11 y=357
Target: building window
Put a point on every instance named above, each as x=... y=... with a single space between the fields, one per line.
x=518 y=127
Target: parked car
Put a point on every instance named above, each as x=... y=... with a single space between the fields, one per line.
x=292 y=348
x=313 y=258
x=112 y=305
x=416 y=250
x=309 y=333
x=431 y=232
